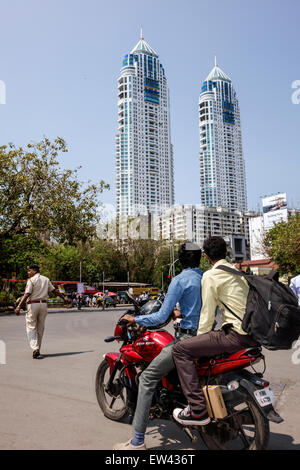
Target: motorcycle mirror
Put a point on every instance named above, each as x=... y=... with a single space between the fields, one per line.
x=109 y=339
x=130 y=297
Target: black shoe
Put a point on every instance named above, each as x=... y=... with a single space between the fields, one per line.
x=186 y=417
x=36 y=354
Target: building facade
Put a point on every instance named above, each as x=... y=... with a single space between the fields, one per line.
x=144 y=153
x=222 y=168
x=196 y=223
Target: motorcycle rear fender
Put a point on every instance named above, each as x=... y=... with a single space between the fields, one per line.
x=267 y=411
x=112 y=358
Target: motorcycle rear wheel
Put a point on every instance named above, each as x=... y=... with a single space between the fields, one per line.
x=113 y=403
x=252 y=430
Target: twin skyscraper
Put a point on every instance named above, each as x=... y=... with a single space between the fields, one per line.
x=144 y=152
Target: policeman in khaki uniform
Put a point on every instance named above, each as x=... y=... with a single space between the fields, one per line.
x=37 y=289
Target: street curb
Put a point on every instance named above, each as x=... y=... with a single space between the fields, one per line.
x=7 y=312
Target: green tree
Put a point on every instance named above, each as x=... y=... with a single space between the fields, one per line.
x=38 y=198
x=17 y=252
x=282 y=243
x=204 y=263
x=60 y=262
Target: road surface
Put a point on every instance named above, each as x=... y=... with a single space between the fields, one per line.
x=50 y=403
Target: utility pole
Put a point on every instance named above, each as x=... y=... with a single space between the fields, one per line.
x=172 y=260
x=80 y=269
x=103 y=282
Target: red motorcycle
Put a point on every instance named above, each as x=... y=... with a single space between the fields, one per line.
x=246 y=393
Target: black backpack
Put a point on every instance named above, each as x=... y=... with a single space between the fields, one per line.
x=272 y=314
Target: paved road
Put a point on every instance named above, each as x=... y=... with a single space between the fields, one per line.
x=50 y=403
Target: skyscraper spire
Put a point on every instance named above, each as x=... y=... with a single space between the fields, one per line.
x=222 y=167
x=144 y=152
x=216 y=64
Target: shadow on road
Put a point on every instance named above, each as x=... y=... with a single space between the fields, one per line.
x=282 y=442
x=43 y=356
x=168 y=436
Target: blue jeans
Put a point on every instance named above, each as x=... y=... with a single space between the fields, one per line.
x=157 y=369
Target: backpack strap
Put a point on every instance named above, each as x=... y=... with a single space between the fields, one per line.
x=234 y=314
x=232 y=271
x=273 y=275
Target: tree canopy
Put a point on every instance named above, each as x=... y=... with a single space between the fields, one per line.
x=39 y=198
x=282 y=244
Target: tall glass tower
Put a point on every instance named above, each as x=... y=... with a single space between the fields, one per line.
x=144 y=153
x=222 y=167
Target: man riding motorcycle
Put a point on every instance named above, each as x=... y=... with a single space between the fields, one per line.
x=184 y=289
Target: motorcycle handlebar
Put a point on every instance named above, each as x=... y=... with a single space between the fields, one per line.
x=123 y=322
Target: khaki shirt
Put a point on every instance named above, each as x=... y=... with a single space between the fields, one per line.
x=217 y=287
x=38 y=287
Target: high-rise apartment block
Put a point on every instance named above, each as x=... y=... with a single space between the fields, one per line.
x=222 y=168
x=144 y=153
x=196 y=223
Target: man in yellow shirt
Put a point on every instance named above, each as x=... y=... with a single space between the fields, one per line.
x=229 y=293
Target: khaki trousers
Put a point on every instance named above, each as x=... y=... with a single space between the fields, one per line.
x=35 y=323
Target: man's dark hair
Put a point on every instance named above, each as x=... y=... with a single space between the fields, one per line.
x=189 y=255
x=35 y=267
x=215 y=248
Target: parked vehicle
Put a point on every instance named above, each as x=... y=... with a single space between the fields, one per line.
x=109 y=302
x=122 y=297
x=246 y=393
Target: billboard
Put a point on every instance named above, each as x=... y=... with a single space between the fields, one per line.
x=274 y=210
x=80 y=287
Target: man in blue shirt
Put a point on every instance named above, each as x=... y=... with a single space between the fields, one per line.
x=186 y=290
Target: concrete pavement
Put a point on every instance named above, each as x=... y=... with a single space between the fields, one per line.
x=50 y=403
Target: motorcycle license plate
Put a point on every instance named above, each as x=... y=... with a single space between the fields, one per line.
x=264 y=397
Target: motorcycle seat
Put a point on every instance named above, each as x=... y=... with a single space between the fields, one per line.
x=251 y=352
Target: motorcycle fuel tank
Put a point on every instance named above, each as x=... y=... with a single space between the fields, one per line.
x=150 y=344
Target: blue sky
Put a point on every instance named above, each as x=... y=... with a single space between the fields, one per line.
x=60 y=60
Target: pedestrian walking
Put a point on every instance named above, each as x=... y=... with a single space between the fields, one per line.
x=37 y=289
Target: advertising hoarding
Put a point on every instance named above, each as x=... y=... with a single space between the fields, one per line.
x=274 y=210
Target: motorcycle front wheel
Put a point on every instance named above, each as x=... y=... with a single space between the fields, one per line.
x=244 y=429
x=112 y=401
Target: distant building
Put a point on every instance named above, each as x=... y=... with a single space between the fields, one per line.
x=196 y=223
x=256 y=235
x=259 y=267
x=222 y=168
x=258 y=227
x=144 y=153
